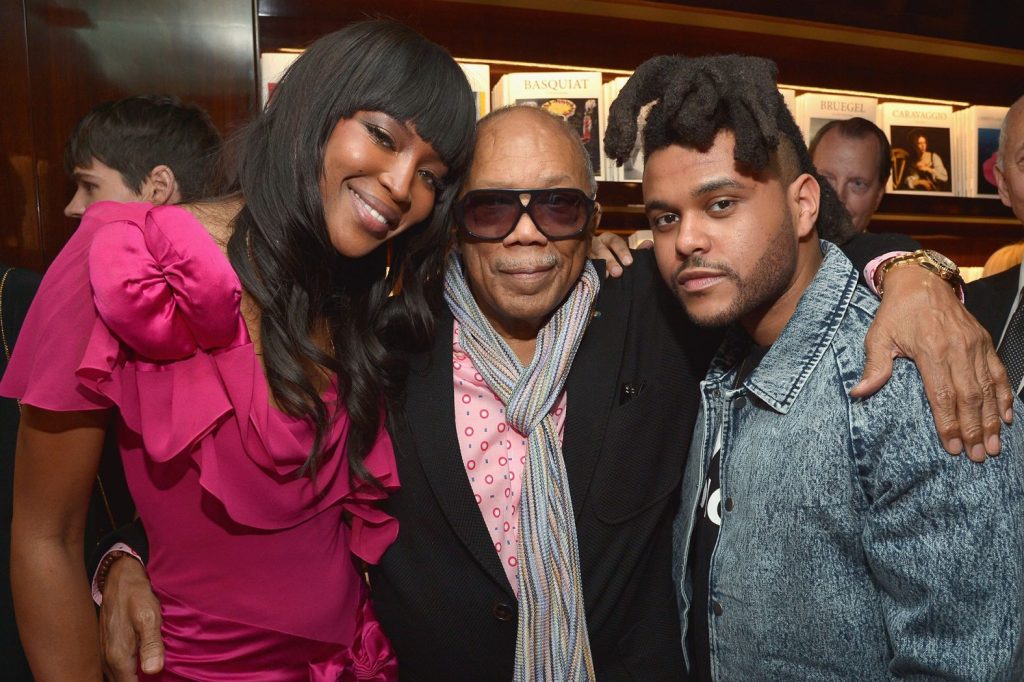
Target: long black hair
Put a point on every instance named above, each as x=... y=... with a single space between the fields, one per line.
x=696 y=97
x=280 y=247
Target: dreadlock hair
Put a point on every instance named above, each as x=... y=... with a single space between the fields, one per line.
x=280 y=247
x=697 y=97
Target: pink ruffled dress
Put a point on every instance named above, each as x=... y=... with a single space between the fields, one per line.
x=253 y=565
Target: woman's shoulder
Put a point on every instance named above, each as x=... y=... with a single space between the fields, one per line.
x=163 y=228
x=159 y=279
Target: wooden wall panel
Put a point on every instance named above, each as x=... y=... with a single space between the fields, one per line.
x=19 y=215
x=83 y=52
x=619 y=34
x=622 y=34
x=63 y=57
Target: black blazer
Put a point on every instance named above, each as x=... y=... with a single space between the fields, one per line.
x=440 y=591
x=990 y=299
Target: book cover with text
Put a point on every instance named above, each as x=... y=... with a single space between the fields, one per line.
x=814 y=110
x=922 y=145
x=575 y=96
x=977 y=134
x=479 y=77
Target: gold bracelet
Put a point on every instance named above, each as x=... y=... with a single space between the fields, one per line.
x=932 y=261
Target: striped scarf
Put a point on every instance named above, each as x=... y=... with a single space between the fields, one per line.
x=552 y=641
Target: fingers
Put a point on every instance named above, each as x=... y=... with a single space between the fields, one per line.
x=971 y=358
x=130 y=623
x=151 y=646
x=1004 y=392
x=119 y=664
x=121 y=638
x=613 y=250
x=877 y=365
x=961 y=392
x=118 y=645
x=620 y=248
x=927 y=323
x=991 y=411
x=954 y=404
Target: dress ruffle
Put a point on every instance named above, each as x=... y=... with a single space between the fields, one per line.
x=171 y=350
x=371 y=658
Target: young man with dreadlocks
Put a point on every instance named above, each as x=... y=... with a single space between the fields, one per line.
x=820 y=536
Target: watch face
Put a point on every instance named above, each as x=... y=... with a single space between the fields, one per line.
x=942 y=261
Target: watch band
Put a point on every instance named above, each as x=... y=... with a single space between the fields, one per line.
x=930 y=260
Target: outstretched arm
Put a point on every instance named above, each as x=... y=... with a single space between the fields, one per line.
x=57 y=457
x=922 y=318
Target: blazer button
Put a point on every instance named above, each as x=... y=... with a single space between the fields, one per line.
x=729 y=505
x=503 y=612
x=718 y=609
x=739 y=403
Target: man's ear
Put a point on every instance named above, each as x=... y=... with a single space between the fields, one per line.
x=805 y=200
x=161 y=187
x=1004 y=190
x=596 y=220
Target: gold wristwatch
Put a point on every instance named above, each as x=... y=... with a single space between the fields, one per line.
x=930 y=260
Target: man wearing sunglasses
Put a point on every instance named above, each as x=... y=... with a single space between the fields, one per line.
x=497 y=563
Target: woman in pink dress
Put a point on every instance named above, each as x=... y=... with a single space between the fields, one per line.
x=238 y=347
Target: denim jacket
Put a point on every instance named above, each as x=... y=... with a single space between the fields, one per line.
x=852 y=546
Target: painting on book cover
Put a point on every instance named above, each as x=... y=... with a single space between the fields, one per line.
x=988 y=145
x=583 y=114
x=921 y=159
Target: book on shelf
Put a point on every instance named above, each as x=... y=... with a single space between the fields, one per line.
x=921 y=136
x=479 y=77
x=632 y=170
x=272 y=67
x=976 y=135
x=576 y=96
x=789 y=97
x=814 y=110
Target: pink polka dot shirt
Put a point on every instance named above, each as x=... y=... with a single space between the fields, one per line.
x=493 y=453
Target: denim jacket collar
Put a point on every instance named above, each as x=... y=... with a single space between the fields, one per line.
x=781 y=374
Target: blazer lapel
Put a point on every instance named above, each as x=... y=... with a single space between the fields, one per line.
x=432 y=440
x=593 y=386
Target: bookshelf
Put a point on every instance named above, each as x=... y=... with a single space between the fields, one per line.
x=615 y=36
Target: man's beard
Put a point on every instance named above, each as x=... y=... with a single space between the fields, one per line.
x=764 y=286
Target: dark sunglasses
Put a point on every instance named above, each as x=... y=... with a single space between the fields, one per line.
x=491 y=214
